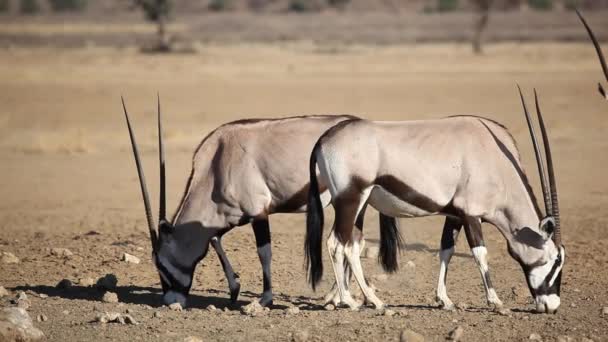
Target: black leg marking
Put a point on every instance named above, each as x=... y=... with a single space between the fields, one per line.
x=261 y=229
x=233 y=282
x=451 y=230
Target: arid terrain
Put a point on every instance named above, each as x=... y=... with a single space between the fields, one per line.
x=69 y=181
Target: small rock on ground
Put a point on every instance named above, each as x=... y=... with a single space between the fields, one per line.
x=410 y=336
x=252 y=309
x=8 y=258
x=300 y=336
x=211 y=307
x=110 y=297
x=86 y=282
x=456 y=334
x=107 y=282
x=176 y=307
x=535 y=337
x=132 y=259
x=565 y=339
x=604 y=310
x=193 y=339
x=3 y=292
x=410 y=264
x=294 y=310
x=115 y=317
x=388 y=313
x=16 y=325
x=504 y=312
x=61 y=252
x=42 y=318
x=157 y=314
x=330 y=307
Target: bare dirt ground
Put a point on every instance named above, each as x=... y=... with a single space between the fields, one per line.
x=68 y=180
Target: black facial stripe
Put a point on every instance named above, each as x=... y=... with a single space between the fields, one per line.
x=176 y=278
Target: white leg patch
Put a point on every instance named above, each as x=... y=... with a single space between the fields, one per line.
x=442 y=294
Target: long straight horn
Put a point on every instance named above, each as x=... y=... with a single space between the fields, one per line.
x=539 y=157
x=600 y=55
x=557 y=236
x=161 y=157
x=142 y=180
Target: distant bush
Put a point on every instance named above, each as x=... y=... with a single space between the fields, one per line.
x=220 y=5
x=68 y=5
x=572 y=4
x=5 y=6
x=29 y=6
x=302 y=6
x=338 y=3
x=447 y=5
x=543 y=5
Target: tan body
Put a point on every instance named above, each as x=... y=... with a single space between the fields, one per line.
x=467 y=168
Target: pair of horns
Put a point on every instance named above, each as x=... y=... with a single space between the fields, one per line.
x=600 y=55
x=549 y=188
x=142 y=179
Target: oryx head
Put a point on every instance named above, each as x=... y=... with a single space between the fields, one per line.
x=539 y=250
x=600 y=55
x=175 y=249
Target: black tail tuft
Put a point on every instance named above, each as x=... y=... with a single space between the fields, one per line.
x=313 y=248
x=390 y=243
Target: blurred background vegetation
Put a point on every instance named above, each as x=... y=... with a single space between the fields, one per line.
x=182 y=24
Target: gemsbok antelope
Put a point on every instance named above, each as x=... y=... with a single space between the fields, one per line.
x=466 y=168
x=600 y=55
x=242 y=172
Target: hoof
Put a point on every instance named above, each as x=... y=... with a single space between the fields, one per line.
x=234 y=293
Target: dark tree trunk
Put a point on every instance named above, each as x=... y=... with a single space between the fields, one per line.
x=481 y=23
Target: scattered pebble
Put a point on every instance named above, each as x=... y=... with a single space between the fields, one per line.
x=294 y=310
x=107 y=282
x=252 y=309
x=132 y=259
x=300 y=336
x=211 y=307
x=504 y=312
x=42 y=318
x=371 y=252
x=110 y=297
x=110 y=317
x=565 y=338
x=61 y=252
x=157 y=314
x=64 y=284
x=535 y=337
x=65 y=312
x=176 y=307
x=604 y=310
x=410 y=264
x=86 y=282
x=9 y=258
x=456 y=334
x=21 y=301
x=330 y=307
x=410 y=336
x=3 y=292
x=193 y=339
x=16 y=325
x=388 y=313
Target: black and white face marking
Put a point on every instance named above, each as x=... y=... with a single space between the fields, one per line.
x=544 y=282
x=175 y=282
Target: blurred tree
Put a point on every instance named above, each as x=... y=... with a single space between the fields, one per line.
x=158 y=11
x=29 y=6
x=305 y=6
x=543 y=5
x=220 y=5
x=5 y=6
x=447 y=5
x=68 y=5
x=481 y=23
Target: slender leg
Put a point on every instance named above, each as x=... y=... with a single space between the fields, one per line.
x=474 y=235
x=261 y=229
x=346 y=213
x=451 y=229
x=333 y=296
x=336 y=255
x=233 y=282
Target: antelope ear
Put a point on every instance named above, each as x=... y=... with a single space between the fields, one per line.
x=530 y=238
x=547 y=225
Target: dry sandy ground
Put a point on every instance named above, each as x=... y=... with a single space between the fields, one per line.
x=67 y=170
